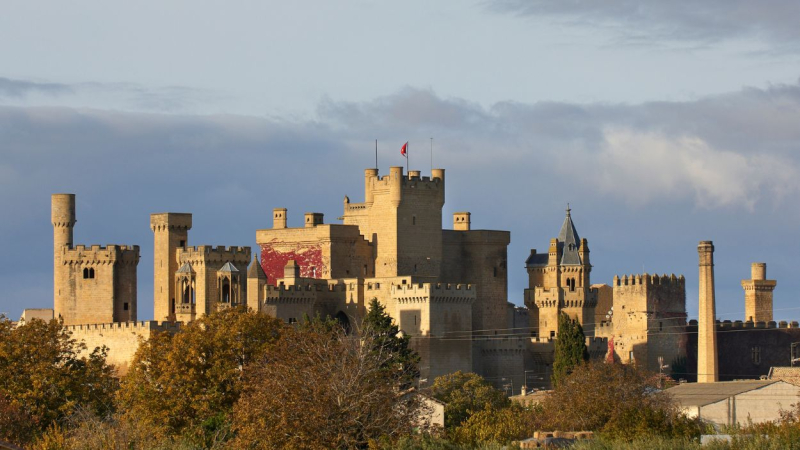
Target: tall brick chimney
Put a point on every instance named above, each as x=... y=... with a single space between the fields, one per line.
x=707 y=362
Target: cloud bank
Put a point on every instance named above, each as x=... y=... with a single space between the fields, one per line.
x=707 y=22
x=646 y=181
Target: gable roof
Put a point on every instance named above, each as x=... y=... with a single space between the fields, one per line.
x=701 y=394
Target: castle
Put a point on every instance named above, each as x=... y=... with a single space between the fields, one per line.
x=447 y=289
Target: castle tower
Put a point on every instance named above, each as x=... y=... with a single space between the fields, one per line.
x=256 y=279
x=707 y=362
x=62 y=215
x=402 y=218
x=170 y=232
x=758 y=294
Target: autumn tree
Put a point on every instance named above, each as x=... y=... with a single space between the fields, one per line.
x=465 y=394
x=619 y=400
x=188 y=382
x=502 y=426
x=44 y=378
x=320 y=388
x=570 y=348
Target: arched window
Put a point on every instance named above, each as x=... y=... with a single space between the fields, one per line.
x=85 y=273
x=187 y=292
x=226 y=293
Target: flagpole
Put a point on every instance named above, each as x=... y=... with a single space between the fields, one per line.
x=408 y=153
x=431 y=157
x=376 y=154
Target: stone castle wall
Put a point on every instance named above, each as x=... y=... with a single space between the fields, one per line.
x=122 y=339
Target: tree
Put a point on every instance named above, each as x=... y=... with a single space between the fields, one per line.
x=403 y=361
x=189 y=382
x=620 y=400
x=502 y=426
x=570 y=348
x=320 y=388
x=43 y=378
x=465 y=394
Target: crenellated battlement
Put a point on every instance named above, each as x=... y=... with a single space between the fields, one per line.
x=649 y=280
x=434 y=293
x=308 y=287
x=134 y=327
x=98 y=255
x=749 y=325
x=220 y=253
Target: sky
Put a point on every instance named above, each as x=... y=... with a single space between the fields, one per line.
x=661 y=124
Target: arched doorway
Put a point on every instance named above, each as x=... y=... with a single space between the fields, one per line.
x=344 y=321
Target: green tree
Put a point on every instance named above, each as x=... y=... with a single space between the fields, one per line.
x=465 y=394
x=320 y=388
x=189 y=382
x=44 y=378
x=403 y=361
x=502 y=426
x=570 y=348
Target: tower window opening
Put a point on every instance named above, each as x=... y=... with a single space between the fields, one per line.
x=756 y=355
x=182 y=244
x=413 y=220
x=660 y=326
x=125 y=306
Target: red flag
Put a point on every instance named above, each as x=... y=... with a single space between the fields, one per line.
x=403 y=149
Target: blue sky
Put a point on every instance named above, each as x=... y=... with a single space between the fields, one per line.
x=661 y=123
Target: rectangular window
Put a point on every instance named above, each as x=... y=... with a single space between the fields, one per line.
x=756 y=355
x=552 y=333
x=125 y=306
x=292 y=320
x=183 y=243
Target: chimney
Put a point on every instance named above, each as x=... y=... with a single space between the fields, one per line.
x=279 y=218
x=707 y=362
x=461 y=221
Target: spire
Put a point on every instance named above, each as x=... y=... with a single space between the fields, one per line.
x=255 y=270
x=569 y=241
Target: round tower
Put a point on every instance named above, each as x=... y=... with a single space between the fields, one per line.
x=369 y=176
x=396 y=185
x=62 y=215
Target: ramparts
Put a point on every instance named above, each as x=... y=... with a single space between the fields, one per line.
x=121 y=338
x=97 y=254
x=434 y=293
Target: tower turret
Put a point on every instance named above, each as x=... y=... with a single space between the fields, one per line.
x=256 y=279
x=62 y=216
x=170 y=232
x=758 y=294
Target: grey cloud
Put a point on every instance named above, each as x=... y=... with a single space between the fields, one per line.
x=680 y=21
x=124 y=96
x=646 y=181
x=21 y=88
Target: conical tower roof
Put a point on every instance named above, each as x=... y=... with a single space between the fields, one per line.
x=569 y=241
x=255 y=270
x=229 y=268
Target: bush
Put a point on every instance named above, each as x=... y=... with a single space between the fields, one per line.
x=464 y=394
